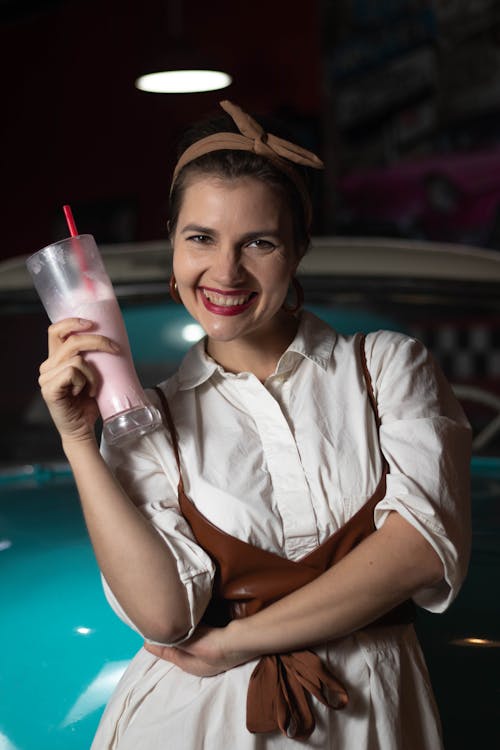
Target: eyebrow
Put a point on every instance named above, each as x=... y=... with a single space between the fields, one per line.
x=197 y=228
x=261 y=233
x=254 y=234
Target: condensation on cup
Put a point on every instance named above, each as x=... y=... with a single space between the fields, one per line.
x=72 y=282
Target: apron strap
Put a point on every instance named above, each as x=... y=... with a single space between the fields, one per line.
x=368 y=380
x=171 y=427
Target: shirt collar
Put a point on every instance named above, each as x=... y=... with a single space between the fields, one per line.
x=314 y=340
x=196 y=367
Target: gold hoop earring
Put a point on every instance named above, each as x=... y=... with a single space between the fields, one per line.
x=174 y=292
x=299 y=297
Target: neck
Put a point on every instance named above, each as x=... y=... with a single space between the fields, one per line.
x=258 y=354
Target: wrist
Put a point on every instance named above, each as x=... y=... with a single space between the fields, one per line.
x=74 y=446
x=238 y=644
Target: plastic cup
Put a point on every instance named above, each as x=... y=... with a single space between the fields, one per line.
x=71 y=281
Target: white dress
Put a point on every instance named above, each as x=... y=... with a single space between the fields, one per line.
x=282 y=465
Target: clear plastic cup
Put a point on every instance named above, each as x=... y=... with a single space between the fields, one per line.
x=71 y=281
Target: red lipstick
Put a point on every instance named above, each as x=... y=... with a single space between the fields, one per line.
x=227 y=309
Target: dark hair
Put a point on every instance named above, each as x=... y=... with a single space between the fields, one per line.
x=233 y=164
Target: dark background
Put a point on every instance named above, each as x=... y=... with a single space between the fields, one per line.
x=75 y=129
x=401 y=98
x=369 y=85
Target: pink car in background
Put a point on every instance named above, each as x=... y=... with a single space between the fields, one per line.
x=452 y=197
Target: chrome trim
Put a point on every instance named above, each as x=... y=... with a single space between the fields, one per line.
x=37 y=473
x=358 y=257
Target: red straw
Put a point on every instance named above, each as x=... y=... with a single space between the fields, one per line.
x=78 y=250
x=70 y=220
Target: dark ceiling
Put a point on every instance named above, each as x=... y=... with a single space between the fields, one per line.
x=365 y=84
x=12 y=11
x=75 y=130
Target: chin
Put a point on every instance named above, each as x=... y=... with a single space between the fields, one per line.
x=221 y=334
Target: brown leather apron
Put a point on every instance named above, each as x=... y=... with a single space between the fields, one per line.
x=249 y=579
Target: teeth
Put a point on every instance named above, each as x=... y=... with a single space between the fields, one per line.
x=223 y=300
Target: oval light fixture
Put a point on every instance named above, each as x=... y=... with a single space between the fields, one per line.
x=183 y=81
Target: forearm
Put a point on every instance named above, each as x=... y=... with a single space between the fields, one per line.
x=133 y=558
x=384 y=570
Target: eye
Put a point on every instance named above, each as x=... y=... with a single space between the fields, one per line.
x=200 y=239
x=261 y=244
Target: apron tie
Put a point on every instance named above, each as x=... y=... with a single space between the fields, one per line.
x=277 y=697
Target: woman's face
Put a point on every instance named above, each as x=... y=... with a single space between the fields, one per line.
x=234 y=256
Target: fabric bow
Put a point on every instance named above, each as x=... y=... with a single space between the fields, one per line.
x=252 y=137
x=277 y=695
x=267 y=144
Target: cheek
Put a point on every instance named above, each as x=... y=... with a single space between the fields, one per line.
x=280 y=273
x=184 y=266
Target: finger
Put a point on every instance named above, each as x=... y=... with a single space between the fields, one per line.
x=163 y=652
x=58 y=332
x=83 y=342
x=53 y=365
x=181 y=659
x=171 y=654
x=57 y=385
x=61 y=331
x=75 y=373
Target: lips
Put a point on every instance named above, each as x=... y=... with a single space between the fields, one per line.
x=231 y=302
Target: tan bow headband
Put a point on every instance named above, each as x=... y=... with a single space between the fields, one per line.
x=252 y=137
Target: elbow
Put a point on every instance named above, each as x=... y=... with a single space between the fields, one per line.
x=416 y=556
x=157 y=618
x=167 y=623
x=165 y=637
x=165 y=632
x=432 y=569
x=427 y=568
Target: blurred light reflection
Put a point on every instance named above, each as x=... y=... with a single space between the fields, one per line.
x=97 y=694
x=192 y=332
x=476 y=642
x=6 y=744
x=83 y=631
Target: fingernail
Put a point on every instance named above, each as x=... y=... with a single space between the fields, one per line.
x=84 y=322
x=114 y=346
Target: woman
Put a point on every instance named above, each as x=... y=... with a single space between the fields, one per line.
x=306 y=487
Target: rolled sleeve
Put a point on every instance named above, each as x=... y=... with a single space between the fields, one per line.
x=147 y=472
x=426 y=441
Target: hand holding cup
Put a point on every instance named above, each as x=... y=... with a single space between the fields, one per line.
x=83 y=361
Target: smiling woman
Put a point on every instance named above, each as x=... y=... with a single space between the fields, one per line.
x=233 y=276
x=307 y=491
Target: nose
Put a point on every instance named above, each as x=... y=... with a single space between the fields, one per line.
x=228 y=269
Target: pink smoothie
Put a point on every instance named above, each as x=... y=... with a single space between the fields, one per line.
x=119 y=388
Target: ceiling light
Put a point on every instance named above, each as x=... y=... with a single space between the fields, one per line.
x=183 y=81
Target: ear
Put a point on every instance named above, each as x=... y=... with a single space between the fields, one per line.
x=302 y=249
x=298 y=260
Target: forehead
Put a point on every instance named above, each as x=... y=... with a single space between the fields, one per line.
x=251 y=195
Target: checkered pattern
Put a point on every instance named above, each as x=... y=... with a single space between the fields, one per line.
x=465 y=352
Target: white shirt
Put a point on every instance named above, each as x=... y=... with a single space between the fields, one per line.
x=282 y=465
